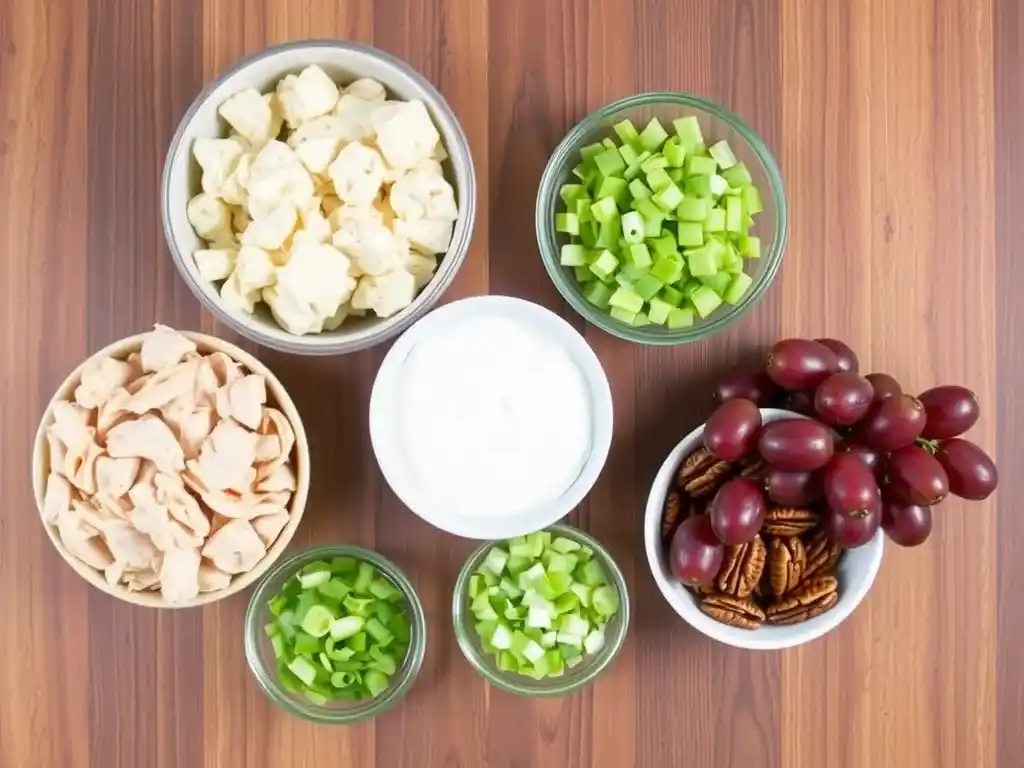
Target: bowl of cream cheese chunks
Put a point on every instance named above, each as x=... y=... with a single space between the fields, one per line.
x=319 y=197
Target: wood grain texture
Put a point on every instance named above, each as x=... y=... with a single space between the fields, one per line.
x=899 y=127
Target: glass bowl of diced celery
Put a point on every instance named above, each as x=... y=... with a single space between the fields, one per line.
x=661 y=218
x=542 y=614
x=335 y=634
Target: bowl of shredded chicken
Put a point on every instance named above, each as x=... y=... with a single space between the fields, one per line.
x=171 y=469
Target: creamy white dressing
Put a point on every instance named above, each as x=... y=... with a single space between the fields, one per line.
x=493 y=417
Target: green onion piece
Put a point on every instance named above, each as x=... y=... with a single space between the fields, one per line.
x=303 y=669
x=346 y=627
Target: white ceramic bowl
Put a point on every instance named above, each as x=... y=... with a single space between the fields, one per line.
x=856 y=570
x=344 y=62
x=384 y=414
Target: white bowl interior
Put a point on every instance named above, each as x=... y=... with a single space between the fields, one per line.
x=344 y=63
x=856 y=570
x=384 y=413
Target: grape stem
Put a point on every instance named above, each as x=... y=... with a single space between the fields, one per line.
x=932 y=446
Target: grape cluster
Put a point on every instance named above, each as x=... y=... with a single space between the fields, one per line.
x=896 y=457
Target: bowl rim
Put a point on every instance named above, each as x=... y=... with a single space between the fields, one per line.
x=384 y=443
x=149 y=599
x=383 y=329
x=544 y=224
x=526 y=686
x=405 y=676
x=686 y=606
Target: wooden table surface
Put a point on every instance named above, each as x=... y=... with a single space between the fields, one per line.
x=899 y=127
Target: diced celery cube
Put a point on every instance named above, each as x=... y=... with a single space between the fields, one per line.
x=698 y=186
x=622 y=315
x=739 y=285
x=668 y=198
x=629 y=155
x=671 y=296
x=609 y=232
x=639 y=190
x=654 y=163
x=658 y=179
x=677 y=175
x=604 y=209
x=573 y=256
x=680 y=318
x=751 y=197
x=624 y=280
x=658 y=311
x=609 y=162
x=733 y=214
x=689 y=133
x=647 y=209
x=738 y=176
x=570 y=192
x=667 y=269
x=665 y=245
x=588 y=233
x=675 y=153
x=750 y=247
x=607 y=143
x=611 y=186
x=715 y=222
x=718 y=185
x=723 y=154
x=638 y=255
x=589 y=152
x=705 y=300
x=717 y=282
x=701 y=262
x=693 y=209
x=604 y=265
x=696 y=165
x=627 y=132
x=581 y=207
x=633 y=227
x=568 y=223
x=690 y=234
x=623 y=298
x=653 y=135
x=583 y=274
x=648 y=286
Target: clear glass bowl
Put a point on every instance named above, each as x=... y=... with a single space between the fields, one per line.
x=573 y=679
x=717 y=123
x=260 y=654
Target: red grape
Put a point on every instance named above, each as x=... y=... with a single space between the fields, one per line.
x=843 y=398
x=695 y=554
x=972 y=474
x=799 y=402
x=796 y=444
x=800 y=363
x=850 y=532
x=846 y=356
x=893 y=423
x=875 y=460
x=916 y=477
x=737 y=511
x=731 y=431
x=749 y=383
x=951 y=411
x=850 y=486
x=906 y=524
x=792 y=489
x=884 y=386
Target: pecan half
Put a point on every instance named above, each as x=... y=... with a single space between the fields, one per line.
x=786 y=564
x=789 y=521
x=810 y=599
x=707 y=481
x=822 y=555
x=742 y=568
x=671 y=515
x=734 y=611
x=753 y=467
x=693 y=465
x=703 y=589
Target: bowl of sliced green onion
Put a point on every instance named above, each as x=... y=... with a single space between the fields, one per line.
x=335 y=634
x=661 y=218
x=542 y=614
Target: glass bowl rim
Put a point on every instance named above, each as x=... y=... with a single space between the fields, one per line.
x=403 y=679
x=519 y=684
x=544 y=224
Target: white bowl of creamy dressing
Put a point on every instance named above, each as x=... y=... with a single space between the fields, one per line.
x=491 y=417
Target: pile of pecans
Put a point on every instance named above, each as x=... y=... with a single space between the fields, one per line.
x=784 y=575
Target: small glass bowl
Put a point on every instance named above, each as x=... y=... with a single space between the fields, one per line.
x=717 y=123
x=573 y=679
x=260 y=654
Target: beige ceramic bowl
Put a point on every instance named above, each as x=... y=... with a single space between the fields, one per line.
x=276 y=394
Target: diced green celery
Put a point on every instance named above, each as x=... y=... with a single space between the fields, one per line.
x=609 y=232
x=584 y=172
x=573 y=256
x=594 y=642
x=507 y=662
x=752 y=200
x=501 y=638
x=739 y=285
x=566 y=602
x=701 y=262
x=658 y=180
x=627 y=300
x=613 y=187
x=589 y=231
x=667 y=269
x=750 y=247
x=556 y=562
x=627 y=132
x=723 y=154
x=632 y=227
x=689 y=133
x=583 y=592
x=680 y=318
x=671 y=296
x=581 y=207
x=646 y=208
x=589 y=152
x=639 y=190
x=605 y=264
x=653 y=163
x=693 y=209
x=592 y=574
x=647 y=287
x=705 y=300
x=495 y=561
x=717 y=282
x=568 y=223
x=733 y=214
x=718 y=185
x=606 y=601
x=604 y=209
x=689 y=234
x=538 y=617
x=715 y=222
x=738 y=176
x=303 y=668
x=622 y=315
x=675 y=154
x=598 y=294
x=608 y=143
x=629 y=154
x=653 y=135
x=623 y=281
x=565 y=545
x=668 y=198
x=697 y=165
x=609 y=162
x=698 y=186
x=677 y=175
x=664 y=246
x=658 y=311
x=571 y=192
